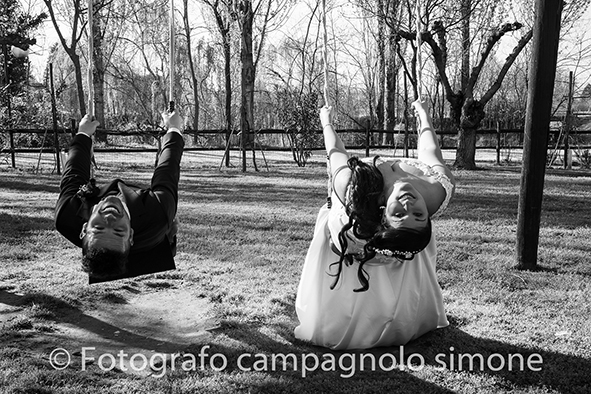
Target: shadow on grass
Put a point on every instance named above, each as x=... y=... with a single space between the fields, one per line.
x=475 y=207
x=27 y=186
x=254 y=188
x=449 y=355
x=301 y=368
x=460 y=351
x=479 y=201
x=15 y=227
x=66 y=313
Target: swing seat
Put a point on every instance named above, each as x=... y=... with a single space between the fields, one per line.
x=158 y=259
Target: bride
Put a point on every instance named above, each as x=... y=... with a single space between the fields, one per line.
x=369 y=276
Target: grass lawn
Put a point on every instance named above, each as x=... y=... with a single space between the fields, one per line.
x=225 y=318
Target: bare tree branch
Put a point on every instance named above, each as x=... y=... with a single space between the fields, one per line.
x=491 y=41
x=508 y=63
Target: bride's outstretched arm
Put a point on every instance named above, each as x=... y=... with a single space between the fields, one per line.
x=429 y=151
x=336 y=152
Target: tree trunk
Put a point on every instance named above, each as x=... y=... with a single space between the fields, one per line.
x=465 y=10
x=471 y=116
x=71 y=49
x=466 y=149
x=391 y=76
x=228 y=101
x=98 y=74
x=247 y=82
x=192 y=74
x=467 y=113
x=79 y=85
x=223 y=23
x=381 y=79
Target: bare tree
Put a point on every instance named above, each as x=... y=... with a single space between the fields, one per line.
x=294 y=69
x=140 y=63
x=76 y=12
x=192 y=71
x=381 y=78
x=467 y=110
x=391 y=11
x=246 y=14
x=104 y=38
x=387 y=73
x=223 y=14
x=295 y=61
x=265 y=12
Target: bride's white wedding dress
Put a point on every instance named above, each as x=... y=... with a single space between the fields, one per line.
x=404 y=299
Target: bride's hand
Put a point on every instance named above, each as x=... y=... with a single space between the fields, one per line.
x=326 y=115
x=419 y=106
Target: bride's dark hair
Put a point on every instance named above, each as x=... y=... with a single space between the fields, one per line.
x=362 y=203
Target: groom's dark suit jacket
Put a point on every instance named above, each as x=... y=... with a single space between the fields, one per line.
x=152 y=210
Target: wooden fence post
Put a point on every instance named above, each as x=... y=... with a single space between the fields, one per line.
x=56 y=143
x=498 y=143
x=568 y=121
x=12 y=154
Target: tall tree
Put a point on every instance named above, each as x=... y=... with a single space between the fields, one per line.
x=387 y=74
x=140 y=60
x=392 y=69
x=246 y=14
x=104 y=36
x=16 y=30
x=295 y=62
x=265 y=12
x=192 y=69
x=295 y=67
x=223 y=14
x=74 y=12
x=467 y=110
x=381 y=77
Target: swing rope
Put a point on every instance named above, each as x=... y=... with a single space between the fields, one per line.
x=419 y=63
x=325 y=53
x=171 y=59
x=326 y=102
x=90 y=110
x=90 y=80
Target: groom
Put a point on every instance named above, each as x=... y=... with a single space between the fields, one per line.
x=123 y=230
